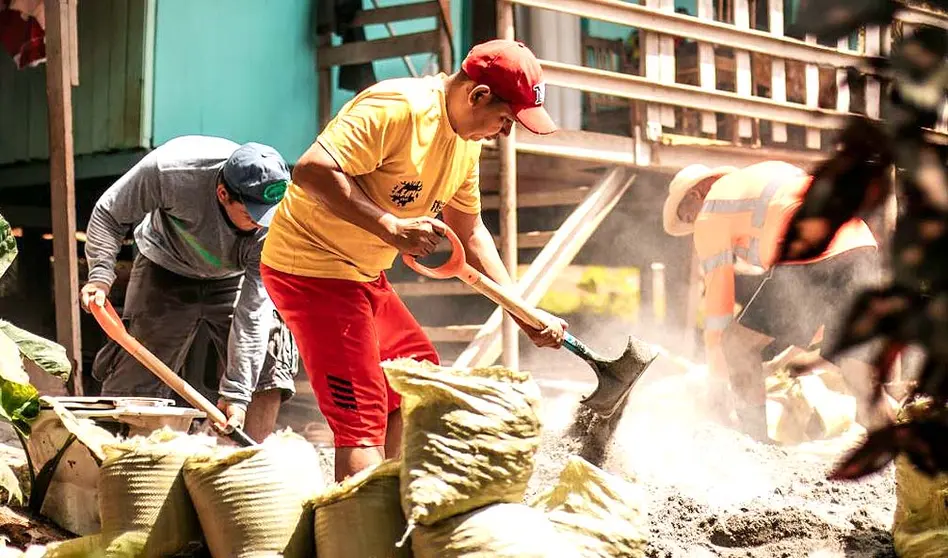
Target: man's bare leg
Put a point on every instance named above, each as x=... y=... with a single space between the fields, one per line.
x=262 y=414
x=393 y=435
x=350 y=461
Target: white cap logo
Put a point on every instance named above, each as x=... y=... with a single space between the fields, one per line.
x=540 y=91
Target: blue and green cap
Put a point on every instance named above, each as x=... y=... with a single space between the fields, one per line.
x=259 y=176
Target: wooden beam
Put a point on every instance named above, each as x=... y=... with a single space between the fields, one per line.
x=534 y=239
x=412 y=289
x=62 y=184
x=508 y=204
x=689 y=96
x=380 y=49
x=446 y=46
x=553 y=198
x=390 y=14
x=554 y=257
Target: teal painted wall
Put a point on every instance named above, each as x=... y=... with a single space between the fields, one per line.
x=108 y=105
x=392 y=68
x=240 y=69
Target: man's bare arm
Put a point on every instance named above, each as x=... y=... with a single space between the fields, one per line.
x=320 y=176
x=478 y=244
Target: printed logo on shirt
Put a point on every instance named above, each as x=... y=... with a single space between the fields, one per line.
x=437 y=206
x=406 y=192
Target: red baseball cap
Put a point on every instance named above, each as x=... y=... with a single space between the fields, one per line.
x=513 y=73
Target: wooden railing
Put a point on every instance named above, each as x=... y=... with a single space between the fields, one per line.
x=801 y=70
x=437 y=40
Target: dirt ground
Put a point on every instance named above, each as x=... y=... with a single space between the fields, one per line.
x=711 y=491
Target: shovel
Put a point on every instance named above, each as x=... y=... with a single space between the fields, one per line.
x=114 y=328
x=615 y=377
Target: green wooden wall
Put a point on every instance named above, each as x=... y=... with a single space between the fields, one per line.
x=114 y=87
x=240 y=69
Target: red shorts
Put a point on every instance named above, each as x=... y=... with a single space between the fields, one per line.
x=344 y=329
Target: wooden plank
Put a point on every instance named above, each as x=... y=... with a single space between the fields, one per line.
x=778 y=70
x=452 y=334
x=413 y=289
x=635 y=87
x=812 y=77
x=707 y=70
x=446 y=47
x=117 y=81
x=533 y=239
x=653 y=72
x=390 y=14
x=649 y=18
x=379 y=49
x=842 y=87
x=62 y=185
x=745 y=128
x=666 y=54
x=554 y=257
x=873 y=88
x=571 y=196
x=74 y=42
x=100 y=73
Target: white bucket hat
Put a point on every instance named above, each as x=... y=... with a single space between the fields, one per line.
x=686 y=179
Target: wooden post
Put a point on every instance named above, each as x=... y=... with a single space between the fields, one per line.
x=445 y=61
x=742 y=62
x=812 y=77
x=508 y=204
x=707 y=69
x=873 y=88
x=658 y=292
x=325 y=86
x=62 y=183
x=778 y=71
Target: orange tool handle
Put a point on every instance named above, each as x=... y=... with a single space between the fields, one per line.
x=457 y=267
x=113 y=327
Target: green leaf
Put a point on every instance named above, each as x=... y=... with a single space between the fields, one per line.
x=7 y=246
x=19 y=404
x=11 y=362
x=48 y=355
x=10 y=483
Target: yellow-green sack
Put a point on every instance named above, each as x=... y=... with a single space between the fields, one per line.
x=362 y=516
x=142 y=491
x=469 y=437
x=253 y=501
x=494 y=531
x=597 y=513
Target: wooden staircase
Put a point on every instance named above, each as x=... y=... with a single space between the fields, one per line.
x=591 y=189
x=436 y=41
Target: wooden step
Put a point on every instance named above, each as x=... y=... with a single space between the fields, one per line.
x=535 y=239
x=367 y=51
x=540 y=199
x=448 y=287
x=452 y=334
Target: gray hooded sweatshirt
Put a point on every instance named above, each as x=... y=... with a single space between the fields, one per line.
x=171 y=196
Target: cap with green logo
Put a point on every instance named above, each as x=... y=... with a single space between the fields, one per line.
x=258 y=174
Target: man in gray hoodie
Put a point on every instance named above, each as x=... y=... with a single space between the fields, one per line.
x=202 y=206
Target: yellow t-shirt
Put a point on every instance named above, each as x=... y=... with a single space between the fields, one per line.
x=395 y=141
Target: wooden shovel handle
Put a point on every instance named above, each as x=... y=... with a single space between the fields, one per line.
x=457 y=266
x=113 y=327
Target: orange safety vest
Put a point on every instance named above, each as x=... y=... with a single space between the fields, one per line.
x=744 y=217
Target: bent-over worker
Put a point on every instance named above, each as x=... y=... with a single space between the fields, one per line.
x=738 y=218
x=397 y=155
x=201 y=206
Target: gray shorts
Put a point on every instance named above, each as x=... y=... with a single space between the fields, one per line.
x=167 y=312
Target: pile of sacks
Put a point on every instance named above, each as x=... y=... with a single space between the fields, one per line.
x=470 y=437
x=920 y=525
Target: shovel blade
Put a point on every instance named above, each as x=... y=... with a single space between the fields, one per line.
x=616 y=378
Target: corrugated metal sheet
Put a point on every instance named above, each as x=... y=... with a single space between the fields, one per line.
x=108 y=104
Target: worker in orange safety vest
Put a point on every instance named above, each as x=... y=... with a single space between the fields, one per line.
x=738 y=217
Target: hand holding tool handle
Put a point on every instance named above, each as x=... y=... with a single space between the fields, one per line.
x=114 y=328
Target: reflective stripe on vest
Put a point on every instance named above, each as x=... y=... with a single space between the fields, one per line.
x=711 y=263
x=758 y=206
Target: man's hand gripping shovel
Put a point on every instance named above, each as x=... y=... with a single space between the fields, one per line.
x=114 y=328
x=615 y=377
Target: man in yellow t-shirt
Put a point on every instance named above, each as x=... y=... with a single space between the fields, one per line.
x=400 y=153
